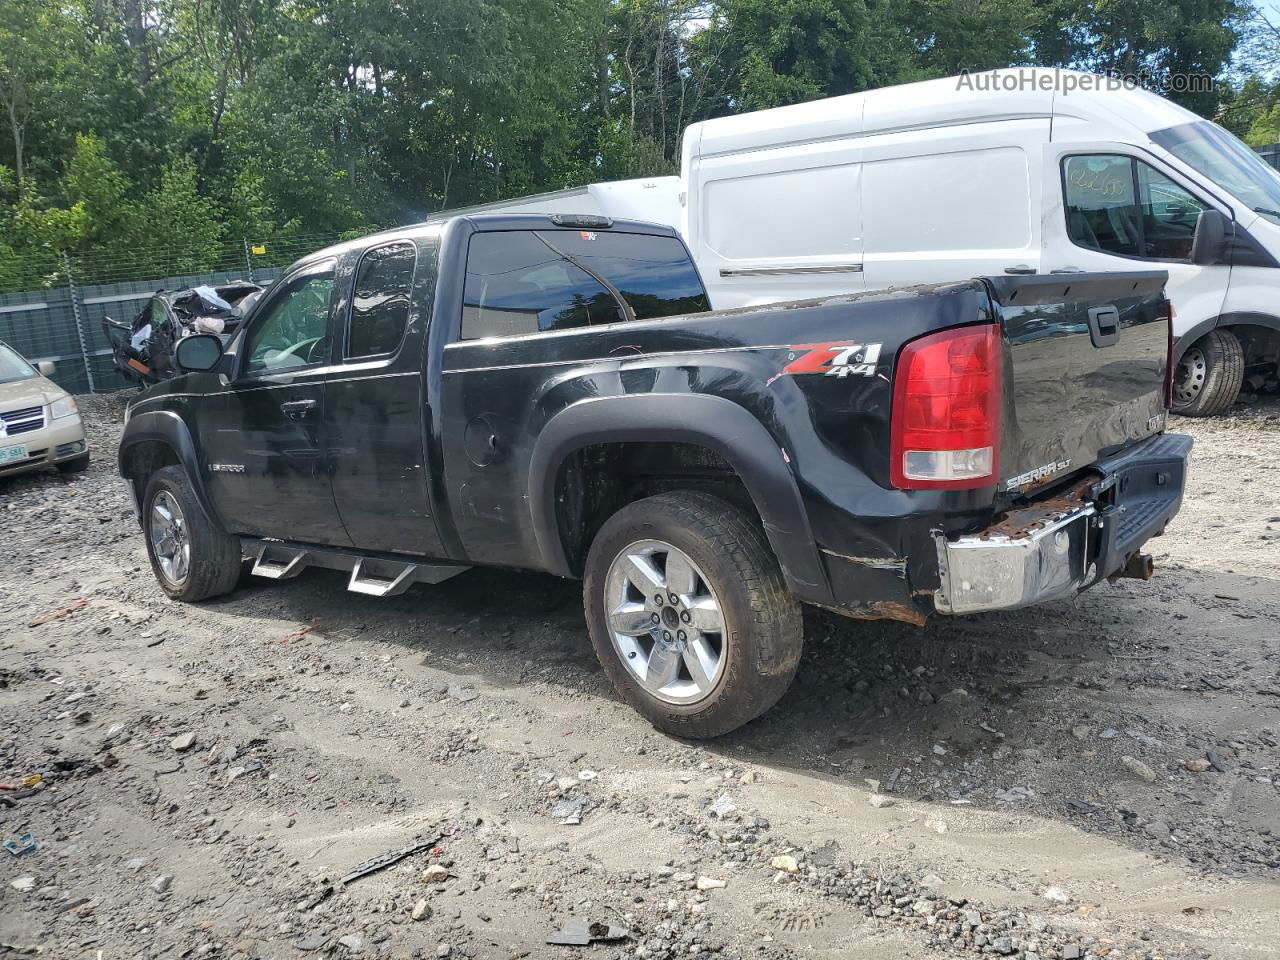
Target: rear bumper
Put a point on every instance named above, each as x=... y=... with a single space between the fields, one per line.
x=1059 y=546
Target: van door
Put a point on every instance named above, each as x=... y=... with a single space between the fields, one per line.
x=1111 y=206
x=772 y=225
x=951 y=202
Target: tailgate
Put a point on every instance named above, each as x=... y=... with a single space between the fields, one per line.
x=1086 y=377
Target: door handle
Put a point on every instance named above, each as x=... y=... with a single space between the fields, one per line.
x=1067 y=270
x=1104 y=326
x=297 y=409
x=1020 y=269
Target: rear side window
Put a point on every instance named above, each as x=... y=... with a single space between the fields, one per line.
x=530 y=281
x=380 y=301
x=1118 y=204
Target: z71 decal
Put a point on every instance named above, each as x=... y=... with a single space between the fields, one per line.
x=834 y=360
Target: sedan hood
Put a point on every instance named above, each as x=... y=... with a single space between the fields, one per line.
x=32 y=392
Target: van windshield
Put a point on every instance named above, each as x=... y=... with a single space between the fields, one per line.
x=1216 y=154
x=12 y=366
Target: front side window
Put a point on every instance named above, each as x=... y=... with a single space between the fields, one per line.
x=1118 y=204
x=380 y=302
x=12 y=366
x=293 y=329
x=518 y=284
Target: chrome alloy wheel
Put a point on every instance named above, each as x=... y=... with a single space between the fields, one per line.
x=168 y=531
x=665 y=621
x=1189 y=379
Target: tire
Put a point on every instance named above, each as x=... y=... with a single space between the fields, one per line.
x=79 y=465
x=1208 y=378
x=211 y=561
x=726 y=575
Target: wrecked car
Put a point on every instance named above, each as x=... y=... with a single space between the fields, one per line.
x=142 y=351
x=553 y=394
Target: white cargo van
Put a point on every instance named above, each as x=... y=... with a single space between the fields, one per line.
x=1051 y=172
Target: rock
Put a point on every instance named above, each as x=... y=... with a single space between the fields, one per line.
x=937 y=826
x=1081 y=731
x=586 y=776
x=880 y=801
x=1109 y=734
x=136 y=864
x=1157 y=829
x=883 y=911
x=23 y=883
x=444 y=950
x=1138 y=769
x=786 y=863
x=435 y=874
x=161 y=883
x=1056 y=895
x=1002 y=945
x=1215 y=761
x=1071 y=951
x=316 y=940
x=940 y=750
x=464 y=694
x=353 y=942
x=723 y=806
x=1197 y=764
x=184 y=741
x=707 y=883
x=747 y=778
x=421 y=910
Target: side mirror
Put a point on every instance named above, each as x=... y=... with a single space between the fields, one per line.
x=46 y=368
x=199 y=352
x=1209 y=240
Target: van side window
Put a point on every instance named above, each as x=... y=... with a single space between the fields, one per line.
x=380 y=300
x=516 y=284
x=1118 y=204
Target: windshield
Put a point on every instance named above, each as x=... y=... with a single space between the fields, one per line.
x=1211 y=151
x=12 y=366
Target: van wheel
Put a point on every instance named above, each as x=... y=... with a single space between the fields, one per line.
x=689 y=614
x=1209 y=375
x=193 y=559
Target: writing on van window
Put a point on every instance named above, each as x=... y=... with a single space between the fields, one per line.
x=1119 y=204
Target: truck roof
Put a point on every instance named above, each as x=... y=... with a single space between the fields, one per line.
x=485 y=222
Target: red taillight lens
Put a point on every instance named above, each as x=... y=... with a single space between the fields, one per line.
x=1168 y=369
x=946 y=411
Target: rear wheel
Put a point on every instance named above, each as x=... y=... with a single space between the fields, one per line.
x=689 y=614
x=1209 y=375
x=193 y=559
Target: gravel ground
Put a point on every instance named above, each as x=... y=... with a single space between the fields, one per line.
x=1086 y=779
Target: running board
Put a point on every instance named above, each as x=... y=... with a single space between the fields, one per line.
x=271 y=565
x=374 y=576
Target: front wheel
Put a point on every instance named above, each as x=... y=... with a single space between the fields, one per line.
x=689 y=614
x=192 y=557
x=1209 y=375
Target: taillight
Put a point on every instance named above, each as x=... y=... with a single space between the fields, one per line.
x=1168 y=367
x=946 y=410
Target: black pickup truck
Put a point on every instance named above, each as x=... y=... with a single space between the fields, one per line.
x=553 y=394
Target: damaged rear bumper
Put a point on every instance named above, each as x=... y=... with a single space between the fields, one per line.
x=1057 y=547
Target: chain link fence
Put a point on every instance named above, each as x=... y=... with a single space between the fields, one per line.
x=51 y=306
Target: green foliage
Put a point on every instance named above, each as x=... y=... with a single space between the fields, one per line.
x=136 y=130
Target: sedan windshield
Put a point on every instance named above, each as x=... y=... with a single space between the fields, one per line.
x=1216 y=154
x=12 y=366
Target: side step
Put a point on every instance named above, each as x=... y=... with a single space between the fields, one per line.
x=374 y=576
x=279 y=563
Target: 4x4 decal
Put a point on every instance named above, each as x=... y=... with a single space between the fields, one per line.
x=843 y=359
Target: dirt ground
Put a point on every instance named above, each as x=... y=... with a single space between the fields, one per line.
x=1086 y=779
